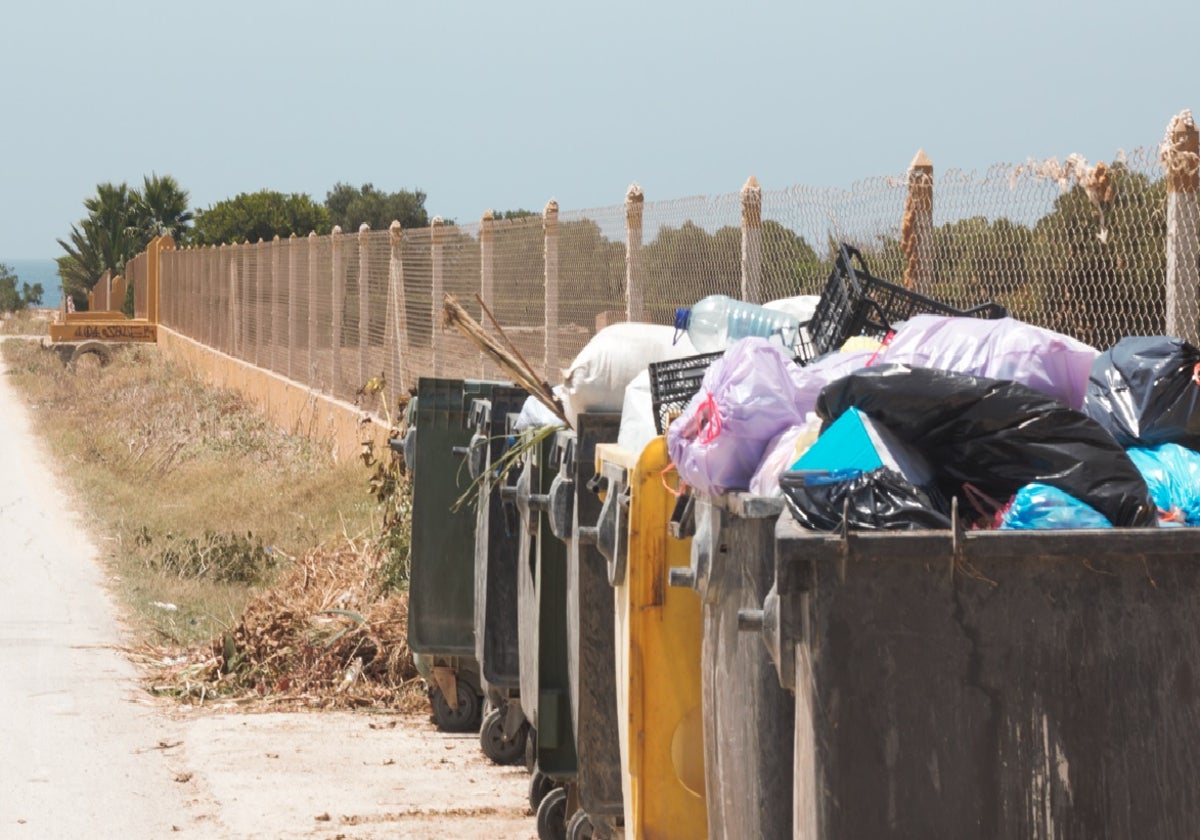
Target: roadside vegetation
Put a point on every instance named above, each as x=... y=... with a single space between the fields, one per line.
x=248 y=563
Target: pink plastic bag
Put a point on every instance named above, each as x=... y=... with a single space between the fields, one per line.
x=1055 y=364
x=748 y=396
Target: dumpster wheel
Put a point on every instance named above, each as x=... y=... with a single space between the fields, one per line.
x=552 y=816
x=462 y=719
x=495 y=746
x=580 y=826
x=540 y=786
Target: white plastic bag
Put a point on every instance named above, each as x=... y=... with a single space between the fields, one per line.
x=637 y=415
x=597 y=377
x=782 y=452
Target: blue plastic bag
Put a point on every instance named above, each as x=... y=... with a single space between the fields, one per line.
x=1039 y=507
x=1172 y=473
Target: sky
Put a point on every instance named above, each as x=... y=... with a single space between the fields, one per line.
x=507 y=105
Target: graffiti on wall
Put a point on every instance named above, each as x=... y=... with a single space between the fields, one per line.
x=114 y=332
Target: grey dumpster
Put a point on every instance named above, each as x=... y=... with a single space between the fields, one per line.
x=990 y=684
x=574 y=510
x=441 y=627
x=747 y=714
x=542 y=610
x=497 y=539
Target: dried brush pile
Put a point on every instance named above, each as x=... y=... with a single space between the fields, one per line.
x=326 y=636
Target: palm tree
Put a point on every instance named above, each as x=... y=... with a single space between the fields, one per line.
x=163 y=208
x=104 y=241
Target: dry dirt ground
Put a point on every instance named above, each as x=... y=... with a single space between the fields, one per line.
x=86 y=752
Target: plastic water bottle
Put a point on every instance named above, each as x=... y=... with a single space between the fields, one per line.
x=717 y=321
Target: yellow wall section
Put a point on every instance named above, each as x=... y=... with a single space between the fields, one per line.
x=289 y=405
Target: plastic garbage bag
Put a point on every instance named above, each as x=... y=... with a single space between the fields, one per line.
x=1144 y=391
x=746 y=398
x=1172 y=473
x=637 y=415
x=997 y=435
x=1006 y=348
x=1039 y=507
x=879 y=500
x=781 y=453
x=596 y=378
x=535 y=413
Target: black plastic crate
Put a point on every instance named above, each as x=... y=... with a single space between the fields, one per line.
x=674 y=382
x=856 y=303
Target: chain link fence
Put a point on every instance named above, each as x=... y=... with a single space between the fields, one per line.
x=1082 y=249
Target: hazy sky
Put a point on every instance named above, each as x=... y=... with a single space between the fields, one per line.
x=506 y=105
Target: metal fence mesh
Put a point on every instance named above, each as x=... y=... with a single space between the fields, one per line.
x=1075 y=248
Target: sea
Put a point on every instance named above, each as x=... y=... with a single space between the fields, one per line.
x=38 y=271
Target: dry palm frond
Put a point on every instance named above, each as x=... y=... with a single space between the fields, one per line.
x=509 y=360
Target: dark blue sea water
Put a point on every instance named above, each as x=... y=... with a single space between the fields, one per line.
x=38 y=271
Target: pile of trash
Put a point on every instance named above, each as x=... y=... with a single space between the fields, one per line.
x=324 y=636
x=916 y=417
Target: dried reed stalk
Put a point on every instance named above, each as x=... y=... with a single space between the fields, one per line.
x=453 y=315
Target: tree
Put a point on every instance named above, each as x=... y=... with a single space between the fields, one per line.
x=349 y=207
x=104 y=241
x=12 y=299
x=685 y=264
x=162 y=208
x=249 y=217
x=1096 y=267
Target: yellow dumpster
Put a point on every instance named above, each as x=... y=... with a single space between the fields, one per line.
x=658 y=636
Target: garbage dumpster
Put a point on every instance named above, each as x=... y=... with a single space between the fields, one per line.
x=441 y=623
x=542 y=610
x=658 y=632
x=747 y=715
x=574 y=510
x=1000 y=684
x=497 y=538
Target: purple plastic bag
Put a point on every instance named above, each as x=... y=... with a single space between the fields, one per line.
x=748 y=396
x=1007 y=349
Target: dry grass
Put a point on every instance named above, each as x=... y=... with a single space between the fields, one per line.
x=251 y=566
x=26 y=322
x=192 y=497
x=328 y=635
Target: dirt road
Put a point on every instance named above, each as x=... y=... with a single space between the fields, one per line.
x=86 y=752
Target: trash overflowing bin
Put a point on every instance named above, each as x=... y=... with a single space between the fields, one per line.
x=574 y=510
x=497 y=541
x=950 y=684
x=441 y=618
x=747 y=715
x=542 y=611
x=658 y=639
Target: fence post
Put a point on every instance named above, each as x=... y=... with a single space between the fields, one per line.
x=274 y=306
x=246 y=314
x=487 y=268
x=397 y=311
x=916 y=229
x=261 y=312
x=1181 y=155
x=634 y=302
x=314 y=303
x=338 y=296
x=752 y=241
x=228 y=258
x=364 y=301
x=293 y=280
x=435 y=303
x=550 y=232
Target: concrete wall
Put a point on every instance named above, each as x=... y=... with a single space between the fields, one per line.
x=331 y=423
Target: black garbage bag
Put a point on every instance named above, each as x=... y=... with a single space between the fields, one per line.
x=997 y=436
x=880 y=500
x=1143 y=391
